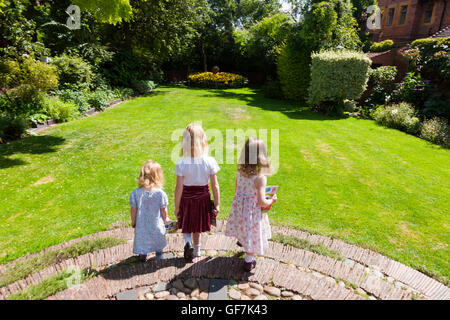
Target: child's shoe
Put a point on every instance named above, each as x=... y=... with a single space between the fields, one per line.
x=248 y=266
x=188 y=252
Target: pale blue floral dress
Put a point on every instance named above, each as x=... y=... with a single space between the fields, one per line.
x=150 y=231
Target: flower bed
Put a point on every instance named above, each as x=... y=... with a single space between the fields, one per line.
x=217 y=80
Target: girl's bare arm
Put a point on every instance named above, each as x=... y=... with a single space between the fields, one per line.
x=133 y=212
x=164 y=214
x=260 y=184
x=178 y=192
x=216 y=191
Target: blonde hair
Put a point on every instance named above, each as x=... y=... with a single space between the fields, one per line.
x=254 y=159
x=151 y=175
x=194 y=143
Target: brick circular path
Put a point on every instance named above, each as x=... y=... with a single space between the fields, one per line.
x=362 y=274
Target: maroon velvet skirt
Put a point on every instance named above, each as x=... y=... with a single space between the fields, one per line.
x=195 y=210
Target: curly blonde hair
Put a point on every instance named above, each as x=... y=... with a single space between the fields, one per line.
x=194 y=143
x=151 y=175
x=254 y=159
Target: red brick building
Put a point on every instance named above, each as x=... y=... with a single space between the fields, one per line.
x=407 y=20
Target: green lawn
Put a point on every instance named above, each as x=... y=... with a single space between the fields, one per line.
x=348 y=178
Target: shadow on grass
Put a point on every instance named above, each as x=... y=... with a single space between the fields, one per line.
x=294 y=110
x=29 y=145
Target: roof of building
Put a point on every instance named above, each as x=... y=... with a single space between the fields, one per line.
x=443 y=33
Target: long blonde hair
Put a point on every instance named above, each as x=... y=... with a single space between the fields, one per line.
x=254 y=159
x=194 y=143
x=151 y=175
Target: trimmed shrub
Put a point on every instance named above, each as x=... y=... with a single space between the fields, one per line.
x=437 y=131
x=217 y=80
x=123 y=93
x=73 y=72
x=337 y=76
x=381 y=46
x=294 y=73
x=398 y=116
x=143 y=86
x=413 y=89
x=59 y=110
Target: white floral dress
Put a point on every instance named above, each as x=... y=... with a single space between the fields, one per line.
x=246 y=221
x=150 y=231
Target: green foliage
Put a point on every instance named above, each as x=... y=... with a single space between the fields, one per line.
x=337 y=76
x=294 y=73
x=123 y=93
x=413 y=89
x=437 y=131
x=383 y=76
x=381 y=46
x=381 y=84
x=107 y=11
x=12 y=128
x=436 y=105
x=124 y=68
x=217 y=80
x=73 y=72
x=59 y=110
x=25 y=84
x=261 y=43
x=78 y=97
x=100 y=99
x=430 y=55
x=142 y=86
x=17 y=32
x=38 y=118
x=398 y=116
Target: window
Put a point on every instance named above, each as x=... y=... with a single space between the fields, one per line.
x=391 y=16
x=428 y=13
x=403 y=11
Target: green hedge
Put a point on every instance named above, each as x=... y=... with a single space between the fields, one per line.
x=382 y=46
x=73 y=72
x=337 y=76
x=294 y=73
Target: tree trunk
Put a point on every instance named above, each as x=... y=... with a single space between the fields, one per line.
x=205 y=66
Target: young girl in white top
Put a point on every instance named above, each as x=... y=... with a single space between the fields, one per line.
x=149 y=212
x=246 y=221
x=193 y=207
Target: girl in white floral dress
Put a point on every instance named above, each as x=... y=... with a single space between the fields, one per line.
x=246 y=222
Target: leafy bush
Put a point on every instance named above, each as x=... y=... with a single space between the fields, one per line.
x=38 y=118
x=381 y=84
x=123 y=93
x=100 y=99
x=381 y=46
x=413 y=89
x=294 y=73
x=142 y=86
x=217 y=80
x=383 y=76
x=79 y=97
x=437 y=131
x=430 y=55
x=12 y=128
x=25 y=84
x=398 y=116
x=59 y=110
x=436 y=105
x=73 y=72
x=337 y=76
x=272 y=89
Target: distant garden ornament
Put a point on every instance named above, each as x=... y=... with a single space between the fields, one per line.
x=215 y=69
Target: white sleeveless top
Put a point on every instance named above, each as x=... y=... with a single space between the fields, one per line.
x=196 y=171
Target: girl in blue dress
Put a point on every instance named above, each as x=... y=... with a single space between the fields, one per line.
x=149 y=212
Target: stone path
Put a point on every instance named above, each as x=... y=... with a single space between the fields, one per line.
x=284 y=272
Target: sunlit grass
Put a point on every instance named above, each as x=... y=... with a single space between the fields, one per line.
x=347 y=178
